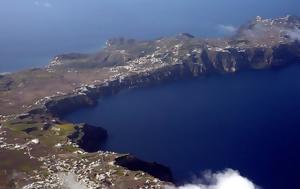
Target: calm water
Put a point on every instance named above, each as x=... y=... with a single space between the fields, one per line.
x=248 y=121
x=33 y=31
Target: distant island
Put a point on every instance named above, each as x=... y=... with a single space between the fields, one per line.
x=38 y=148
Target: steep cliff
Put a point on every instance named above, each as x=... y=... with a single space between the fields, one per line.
x=88 y=137
x=154 y=169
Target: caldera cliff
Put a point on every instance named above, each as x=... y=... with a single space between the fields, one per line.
x=51 y=149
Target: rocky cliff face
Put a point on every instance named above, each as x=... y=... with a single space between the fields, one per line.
x=65 y=104
x=259 y=44
x=88 y=137
x=154 y=169
x=206 y=62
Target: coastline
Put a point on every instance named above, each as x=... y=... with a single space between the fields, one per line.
x=79 y=81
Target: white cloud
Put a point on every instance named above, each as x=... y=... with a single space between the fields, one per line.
x=4 y=73
x=294 y=34
x=69 y=181
x=228 y=179
x=227 y=28
x=42 y=3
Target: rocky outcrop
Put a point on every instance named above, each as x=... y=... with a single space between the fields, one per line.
x=64 y=104
x=132 y=163
x=88 y=137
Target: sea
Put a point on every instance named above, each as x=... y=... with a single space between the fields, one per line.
x=248 y=122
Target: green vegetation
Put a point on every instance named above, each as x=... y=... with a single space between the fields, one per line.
x=65 y=129
x=30 y=129
x=25 y=126
x=69 y=148
x=58 y=134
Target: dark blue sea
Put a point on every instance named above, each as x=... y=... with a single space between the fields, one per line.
x=248 y=122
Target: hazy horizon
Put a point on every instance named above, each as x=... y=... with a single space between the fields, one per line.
x=33 y=31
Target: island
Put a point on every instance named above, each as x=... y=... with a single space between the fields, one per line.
x=38 y=149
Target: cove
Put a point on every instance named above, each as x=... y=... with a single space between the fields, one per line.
x=247 y=121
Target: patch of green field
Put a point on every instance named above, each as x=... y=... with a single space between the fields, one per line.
x=44 y=173
x=25 y=168
x=50 y=140
x=22 y=126
x=65 y=129
x=70 y=148
x=58 y=134
x=30 y=129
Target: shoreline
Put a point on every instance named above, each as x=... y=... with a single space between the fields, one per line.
x=34 y=101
